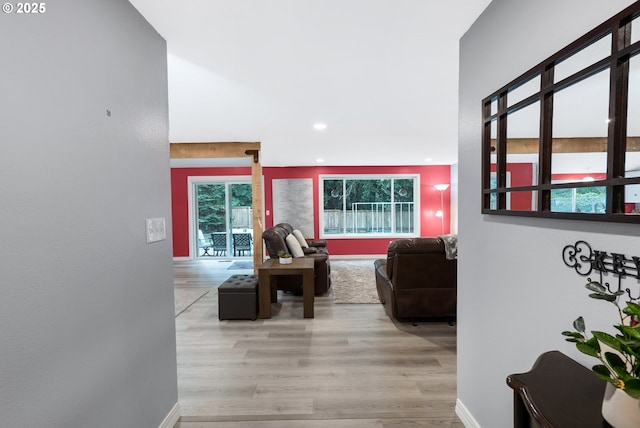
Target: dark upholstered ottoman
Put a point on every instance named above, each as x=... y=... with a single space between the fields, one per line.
x=238 y=298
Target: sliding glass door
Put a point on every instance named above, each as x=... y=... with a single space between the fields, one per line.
x=224 y=219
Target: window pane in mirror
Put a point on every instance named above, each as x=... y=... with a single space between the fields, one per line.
x=523 y=91
x=635 y=30
x=579 y=200
x=494 y=106
x=493 y=204
x=632 y=158
x=632 y=194
x=523 y=142
x=580 y=127
x=632 y=199
x=493 y=184
x=582 y=59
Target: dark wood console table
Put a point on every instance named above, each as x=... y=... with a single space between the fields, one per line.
x=558 y=392
x=267 y=288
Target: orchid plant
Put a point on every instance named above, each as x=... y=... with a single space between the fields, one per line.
x=622 y=367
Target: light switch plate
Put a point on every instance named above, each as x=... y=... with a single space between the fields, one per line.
x=156 y=230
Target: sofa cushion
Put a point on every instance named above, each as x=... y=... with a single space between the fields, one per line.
x=294 y=246
x=301 y=240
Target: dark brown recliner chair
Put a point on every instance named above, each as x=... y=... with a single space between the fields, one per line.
x=416 y=280
x=274 y=239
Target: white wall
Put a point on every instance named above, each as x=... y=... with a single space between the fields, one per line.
x=87 y=329
x=515 y=294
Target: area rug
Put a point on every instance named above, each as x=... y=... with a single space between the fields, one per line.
x=242 y=264
x=353 y=281
x=183 y=298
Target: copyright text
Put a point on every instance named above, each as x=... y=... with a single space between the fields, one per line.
x=24 y=8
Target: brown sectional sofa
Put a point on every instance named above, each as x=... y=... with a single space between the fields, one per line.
x=275 y=241
x=417 y=280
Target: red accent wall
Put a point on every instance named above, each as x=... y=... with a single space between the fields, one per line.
x=430 y=225
x=521 y=174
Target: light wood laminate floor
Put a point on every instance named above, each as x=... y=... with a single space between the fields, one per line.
x=351 y=366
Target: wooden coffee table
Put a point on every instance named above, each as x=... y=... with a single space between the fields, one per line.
x=268 y=290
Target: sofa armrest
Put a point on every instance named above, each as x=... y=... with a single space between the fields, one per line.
x=383 y=284
x=317 y=242
x=380 y=267
x=318 y=258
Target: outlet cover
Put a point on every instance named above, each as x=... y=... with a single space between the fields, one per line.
x=156 y=230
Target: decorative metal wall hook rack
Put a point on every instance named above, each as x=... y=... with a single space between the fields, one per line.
x=585 y=261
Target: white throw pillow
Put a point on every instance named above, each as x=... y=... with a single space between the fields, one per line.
x=294 y=246
x=301 y=240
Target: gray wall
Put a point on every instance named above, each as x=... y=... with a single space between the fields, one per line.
x=515 y=293
x=87 y=330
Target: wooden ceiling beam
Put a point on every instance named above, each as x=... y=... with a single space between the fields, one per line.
x=565 y=145
x=213 y=150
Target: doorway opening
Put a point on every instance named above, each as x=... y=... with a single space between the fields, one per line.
x=222 y=218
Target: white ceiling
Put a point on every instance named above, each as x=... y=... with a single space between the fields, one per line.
x=382 y=75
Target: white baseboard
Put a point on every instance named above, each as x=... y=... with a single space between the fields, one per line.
x=355 y=256
x=172 y=418
x=467 y=419
x=180 y=259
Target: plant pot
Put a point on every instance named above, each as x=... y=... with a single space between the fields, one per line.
x=286 y=260
x=620 y=409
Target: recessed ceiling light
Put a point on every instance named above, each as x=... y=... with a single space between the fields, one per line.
x=319 y=126
x=428 y=159
x=319 y=160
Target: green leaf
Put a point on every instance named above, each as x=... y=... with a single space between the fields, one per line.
x=607 y=297
x=608 y=339
x=632 y=309
x=631 y=332
x=602 y=372
x=579 y=325
x=632 y=387
x=589 y=348
x=574 y=334
x=617 y=364
x=597 y=287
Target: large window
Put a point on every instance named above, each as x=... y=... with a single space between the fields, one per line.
x=369 y=205
x=574 y=114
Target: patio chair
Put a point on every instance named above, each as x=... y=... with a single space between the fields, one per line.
x=219 y=240
x=241 y=243
x=203 y=244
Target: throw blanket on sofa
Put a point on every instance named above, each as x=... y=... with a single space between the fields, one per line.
x=450 y=245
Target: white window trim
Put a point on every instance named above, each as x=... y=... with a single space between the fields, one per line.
x=416 y=199
x=192 y=180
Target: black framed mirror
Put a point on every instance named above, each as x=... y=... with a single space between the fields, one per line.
x=563 y=139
